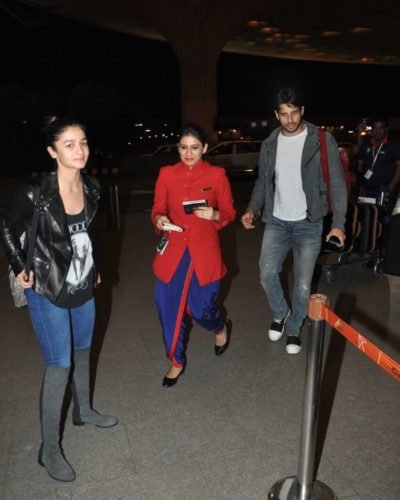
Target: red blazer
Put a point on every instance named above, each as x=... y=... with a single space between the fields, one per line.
x=178 y=183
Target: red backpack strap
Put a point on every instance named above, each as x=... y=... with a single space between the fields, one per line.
x=325 y=164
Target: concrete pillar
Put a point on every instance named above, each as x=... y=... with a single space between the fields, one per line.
x=197 y=30
x=199 y=98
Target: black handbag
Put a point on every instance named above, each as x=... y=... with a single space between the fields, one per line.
x=18 y=291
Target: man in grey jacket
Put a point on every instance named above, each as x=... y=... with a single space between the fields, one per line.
x=292 y=195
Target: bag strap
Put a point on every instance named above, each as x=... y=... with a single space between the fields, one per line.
x=32 y=236
x=324 y=162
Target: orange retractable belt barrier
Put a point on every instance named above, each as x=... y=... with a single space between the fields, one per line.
x=364 y=345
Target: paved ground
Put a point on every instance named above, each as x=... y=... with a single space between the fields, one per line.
x=230 y=428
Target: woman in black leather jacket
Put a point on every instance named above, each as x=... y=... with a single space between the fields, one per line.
x=59 y=289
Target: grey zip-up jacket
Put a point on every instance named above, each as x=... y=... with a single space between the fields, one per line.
x=314 y=186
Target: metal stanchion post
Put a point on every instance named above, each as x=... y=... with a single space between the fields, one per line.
x=114 y=220
x=303 y=487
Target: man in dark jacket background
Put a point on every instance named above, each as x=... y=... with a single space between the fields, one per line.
x=379 y=161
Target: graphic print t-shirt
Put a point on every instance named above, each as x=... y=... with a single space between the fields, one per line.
x=78 y=286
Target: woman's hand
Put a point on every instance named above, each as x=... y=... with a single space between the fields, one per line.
x=98 y=279
x=208 y=213
x=160 y=221
x=24 y=281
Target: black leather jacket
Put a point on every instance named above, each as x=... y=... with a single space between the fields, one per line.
x=53 y=249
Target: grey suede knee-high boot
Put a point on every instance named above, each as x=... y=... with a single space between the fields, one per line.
x=52 y=397
x=83 y=413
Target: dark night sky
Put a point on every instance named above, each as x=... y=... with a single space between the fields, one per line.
x=53 y=59
x=329 y=88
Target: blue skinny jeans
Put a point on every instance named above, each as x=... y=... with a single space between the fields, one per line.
x=58 y=329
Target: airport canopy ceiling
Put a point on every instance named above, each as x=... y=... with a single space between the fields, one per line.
x=365 y=32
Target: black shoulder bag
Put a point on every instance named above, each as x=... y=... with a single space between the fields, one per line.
x=18 y=291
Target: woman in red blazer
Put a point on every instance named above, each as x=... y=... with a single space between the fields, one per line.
x=196 y=197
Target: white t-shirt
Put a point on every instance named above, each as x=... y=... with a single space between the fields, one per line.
x=290 y=201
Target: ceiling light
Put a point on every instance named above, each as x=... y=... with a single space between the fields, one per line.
x=330 y=33
x=361 y=30
x=267 y=29
x=254 y=23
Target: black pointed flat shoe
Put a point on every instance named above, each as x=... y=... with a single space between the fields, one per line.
x=220 y=349
x=170 y=382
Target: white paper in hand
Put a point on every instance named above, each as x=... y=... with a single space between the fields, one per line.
x=167 y=226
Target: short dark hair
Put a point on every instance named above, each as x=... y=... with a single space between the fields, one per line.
x=53 y=127
x=382 y=119
x=194 y=130
x=289 y=96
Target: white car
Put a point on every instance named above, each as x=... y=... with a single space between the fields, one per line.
x=239 y=158
x=166 y=154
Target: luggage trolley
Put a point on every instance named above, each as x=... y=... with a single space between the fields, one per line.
x=364 y=230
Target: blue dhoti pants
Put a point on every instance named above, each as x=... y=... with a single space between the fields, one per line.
x=184 y=295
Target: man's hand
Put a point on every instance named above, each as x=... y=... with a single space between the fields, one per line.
x=338 y=233
x=247 y=219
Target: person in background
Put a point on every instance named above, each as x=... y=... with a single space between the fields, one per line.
x=292 y=193
x=379 y=161
x=196 y=197
x=60 y=287
x=391 y=260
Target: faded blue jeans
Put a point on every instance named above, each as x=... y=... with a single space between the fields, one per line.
x=304 y=239
x=59 y=330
